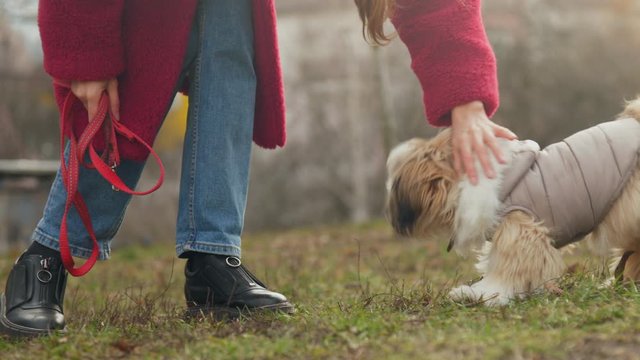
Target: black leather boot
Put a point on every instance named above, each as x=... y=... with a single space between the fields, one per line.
x=32 y=302
x=219 y=286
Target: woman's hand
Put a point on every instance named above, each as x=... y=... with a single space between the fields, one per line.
x=89 y=92
x=474 y=136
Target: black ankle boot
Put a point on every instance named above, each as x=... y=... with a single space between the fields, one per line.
x=32 y=302
x=219 y=285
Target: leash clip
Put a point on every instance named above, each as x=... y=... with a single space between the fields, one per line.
x=113 y=168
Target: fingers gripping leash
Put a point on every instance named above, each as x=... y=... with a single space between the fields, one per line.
x=105 y=164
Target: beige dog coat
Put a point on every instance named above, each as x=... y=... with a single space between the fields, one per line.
x=571 y=185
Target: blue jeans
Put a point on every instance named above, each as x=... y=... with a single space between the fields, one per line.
x=216 y=154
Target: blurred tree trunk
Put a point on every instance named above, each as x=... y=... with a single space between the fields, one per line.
x=388 y=123
x=9 y=138
x=4 y=226
x=357 y=141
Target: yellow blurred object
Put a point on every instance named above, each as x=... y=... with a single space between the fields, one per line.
x=171 y=134
x=45 y=98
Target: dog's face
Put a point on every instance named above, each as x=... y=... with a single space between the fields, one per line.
x=421 y=189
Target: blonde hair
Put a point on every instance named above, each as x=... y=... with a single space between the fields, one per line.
x=373 y=14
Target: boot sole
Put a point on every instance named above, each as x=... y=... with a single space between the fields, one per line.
x=15 y=330
x=221 y=313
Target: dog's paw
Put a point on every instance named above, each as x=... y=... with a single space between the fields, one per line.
x=484 y=292
x=607 y=283
x=462 y=293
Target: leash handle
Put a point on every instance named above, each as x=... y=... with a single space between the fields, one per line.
x=70 y=169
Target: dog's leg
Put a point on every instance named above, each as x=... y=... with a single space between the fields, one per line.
x=618 y=233
x=521 y=260
x=632 y=268
x=628 y=267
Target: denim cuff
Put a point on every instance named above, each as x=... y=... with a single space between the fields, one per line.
x=52 y=242
x=210 y=247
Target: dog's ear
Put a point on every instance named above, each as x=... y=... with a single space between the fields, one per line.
x=420 y=184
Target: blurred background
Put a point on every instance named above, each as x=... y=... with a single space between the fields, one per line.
x=563 y=66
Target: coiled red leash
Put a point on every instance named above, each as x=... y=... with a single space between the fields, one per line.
x=105 y=164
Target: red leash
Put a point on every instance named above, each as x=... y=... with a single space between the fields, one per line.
x=105 y=164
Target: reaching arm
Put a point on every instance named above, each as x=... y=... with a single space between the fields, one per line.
x=450 y=54
x=456 y=67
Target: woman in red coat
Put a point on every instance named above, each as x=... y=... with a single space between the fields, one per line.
x=139 y=53
x=456 y=66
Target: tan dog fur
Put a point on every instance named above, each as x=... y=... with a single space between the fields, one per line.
x=423 y=202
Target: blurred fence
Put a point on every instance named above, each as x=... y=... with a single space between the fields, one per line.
x=23 y=189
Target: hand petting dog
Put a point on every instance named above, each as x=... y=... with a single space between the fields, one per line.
x=474 y=136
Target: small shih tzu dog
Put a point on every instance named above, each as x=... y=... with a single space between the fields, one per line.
x=584 y=187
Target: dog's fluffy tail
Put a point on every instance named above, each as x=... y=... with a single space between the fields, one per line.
x=633 y=109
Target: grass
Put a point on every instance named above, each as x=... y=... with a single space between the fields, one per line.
x=360 y=294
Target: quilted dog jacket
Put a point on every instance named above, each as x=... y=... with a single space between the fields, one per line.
x=571 y=185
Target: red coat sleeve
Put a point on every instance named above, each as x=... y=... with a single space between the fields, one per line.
x=450 y=54
x=82 y=39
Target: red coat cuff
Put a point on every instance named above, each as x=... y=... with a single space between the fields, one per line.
x=450 y=55
x=82 y=40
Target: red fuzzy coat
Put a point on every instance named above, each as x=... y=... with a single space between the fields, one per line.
x=450 y=54
x=142 y=42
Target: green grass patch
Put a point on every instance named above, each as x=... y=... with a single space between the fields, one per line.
x=360 y=294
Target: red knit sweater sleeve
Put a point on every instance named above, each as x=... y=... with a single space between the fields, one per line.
x=82 y=39
x=450 y=54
